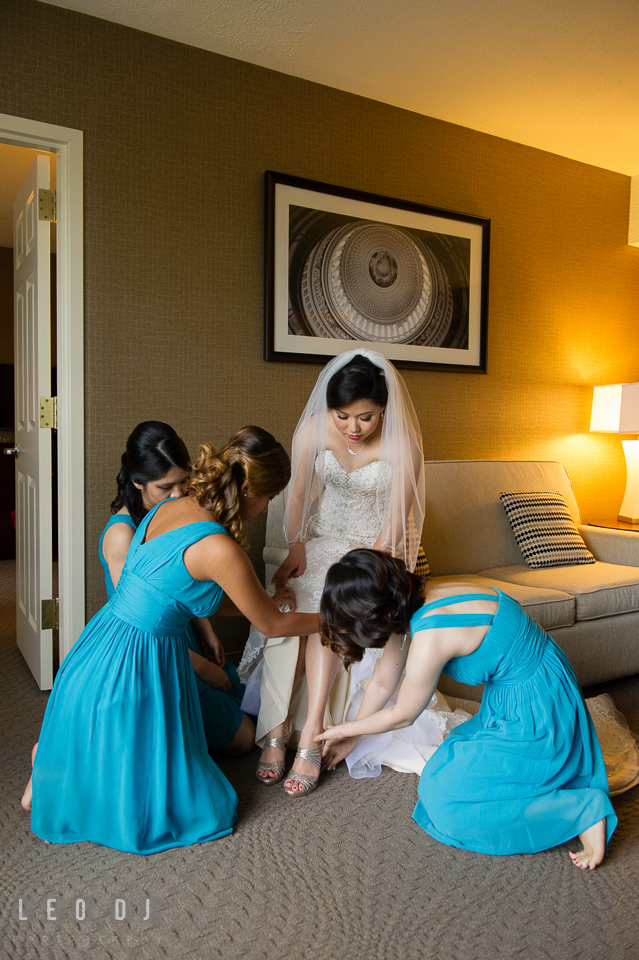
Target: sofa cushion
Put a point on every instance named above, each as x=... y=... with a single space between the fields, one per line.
x=550 y=608
x=599 y=589
x=466 y=528
x=545 y=531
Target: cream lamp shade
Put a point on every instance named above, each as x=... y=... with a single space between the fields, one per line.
x=615 y=409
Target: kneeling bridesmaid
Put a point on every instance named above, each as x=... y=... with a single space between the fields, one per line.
x=523 y=775
x=122 y=759
x=155 y=467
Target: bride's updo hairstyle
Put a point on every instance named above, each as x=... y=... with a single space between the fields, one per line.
x=151 y=450
x=252 y=455
x=368 y=595
x=357 y=380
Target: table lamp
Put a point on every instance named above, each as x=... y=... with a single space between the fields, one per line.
x=615 y=409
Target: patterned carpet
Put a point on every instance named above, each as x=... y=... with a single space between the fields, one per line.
x=343 y=874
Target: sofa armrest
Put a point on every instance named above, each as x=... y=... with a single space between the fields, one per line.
x=612 y=546
x=274 y=555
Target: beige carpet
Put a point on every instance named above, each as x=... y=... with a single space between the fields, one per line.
x=342 y=874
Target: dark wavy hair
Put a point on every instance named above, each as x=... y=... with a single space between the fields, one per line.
x=252 y=455
x=359 y=379
x=152 y=449
x=368 y=595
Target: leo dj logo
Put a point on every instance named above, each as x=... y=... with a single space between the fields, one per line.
x=82 y=909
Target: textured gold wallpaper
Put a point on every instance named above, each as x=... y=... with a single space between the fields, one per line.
x=176 y=144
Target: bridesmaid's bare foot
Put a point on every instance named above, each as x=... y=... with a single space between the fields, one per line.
x=27 y=795
x=594 y=843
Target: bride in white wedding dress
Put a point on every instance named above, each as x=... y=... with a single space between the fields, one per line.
x=357 y=481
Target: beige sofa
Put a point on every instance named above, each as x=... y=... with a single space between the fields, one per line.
x=592 y=611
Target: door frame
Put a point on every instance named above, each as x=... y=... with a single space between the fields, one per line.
x=67 y=144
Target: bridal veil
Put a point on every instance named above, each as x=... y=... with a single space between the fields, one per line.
x=400 y=494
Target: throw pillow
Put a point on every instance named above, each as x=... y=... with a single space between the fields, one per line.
x=545 y=530
x=422 y=567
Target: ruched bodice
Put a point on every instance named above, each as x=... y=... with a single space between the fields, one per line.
x=142 y=605
x=159 y=565
x=526 y=772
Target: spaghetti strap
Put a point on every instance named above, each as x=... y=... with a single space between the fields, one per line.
x=455 y=620
x=459 y=598
x=426 y=621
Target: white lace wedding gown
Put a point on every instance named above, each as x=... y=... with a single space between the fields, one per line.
x=349 y=518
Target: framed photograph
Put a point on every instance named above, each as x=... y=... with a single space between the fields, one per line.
x=346 y=269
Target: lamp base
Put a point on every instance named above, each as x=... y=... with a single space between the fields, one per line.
x=630 y=507
x=628 y=519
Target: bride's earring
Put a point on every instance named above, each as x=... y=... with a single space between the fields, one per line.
x=401 y=646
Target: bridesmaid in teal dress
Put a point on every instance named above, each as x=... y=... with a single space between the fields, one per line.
x=154 y=467
x=122 y=759
x=525 y=773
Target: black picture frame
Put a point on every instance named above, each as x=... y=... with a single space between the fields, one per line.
x=410 y=279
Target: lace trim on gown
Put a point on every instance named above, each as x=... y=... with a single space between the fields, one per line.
x=618 y=744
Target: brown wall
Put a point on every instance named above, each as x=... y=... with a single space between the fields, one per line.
x=176 y=144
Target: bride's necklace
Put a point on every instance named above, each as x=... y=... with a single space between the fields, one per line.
x=352 y=452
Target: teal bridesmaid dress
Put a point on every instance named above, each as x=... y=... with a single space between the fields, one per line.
x=525 y=773
x=221 y=709
x=122 y=758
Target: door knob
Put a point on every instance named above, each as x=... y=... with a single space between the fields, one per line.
x=10 y=451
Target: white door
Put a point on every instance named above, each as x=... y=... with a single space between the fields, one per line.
x=32 y=320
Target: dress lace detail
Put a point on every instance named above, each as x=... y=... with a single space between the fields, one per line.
x=618 y=744
x=348 y=517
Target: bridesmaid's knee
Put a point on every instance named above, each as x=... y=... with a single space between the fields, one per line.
x=244 y=739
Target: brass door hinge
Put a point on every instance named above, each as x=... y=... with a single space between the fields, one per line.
x=47 y=205
x=49 y=413
x=50 y=619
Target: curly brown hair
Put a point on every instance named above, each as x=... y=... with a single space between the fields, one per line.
x=368 y=595
x=252 y=455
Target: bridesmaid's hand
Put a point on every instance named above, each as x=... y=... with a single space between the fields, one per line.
x=294 y=565
x=285 y=596
x=332 y=735
x=214 y=676
x=335 y=753
x=212 y=649
x=211 y=673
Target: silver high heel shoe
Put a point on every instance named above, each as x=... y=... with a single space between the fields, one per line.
x=309 y=782
x=280 y=743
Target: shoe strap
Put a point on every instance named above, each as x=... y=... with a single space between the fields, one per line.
x=278 y=742
x=312 y=755
x=307 y=779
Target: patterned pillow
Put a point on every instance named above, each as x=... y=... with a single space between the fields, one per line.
x=422 y=567
x=545 y=530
